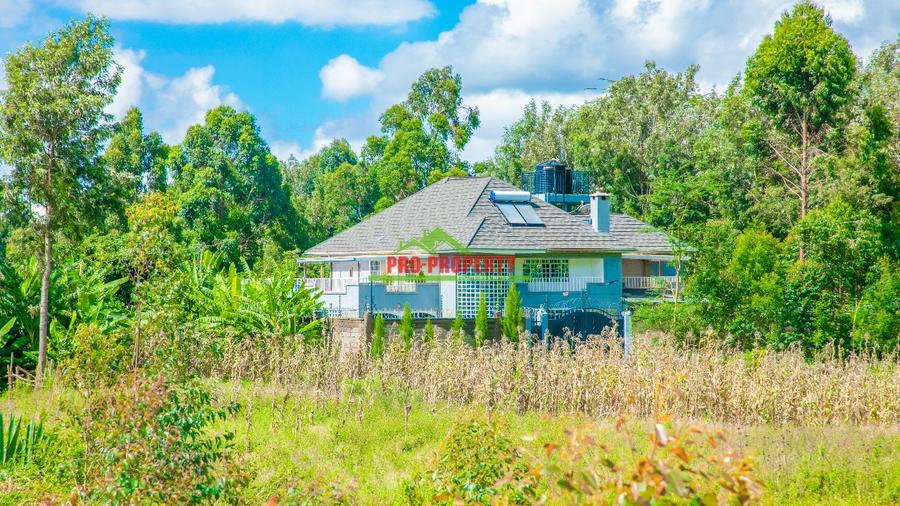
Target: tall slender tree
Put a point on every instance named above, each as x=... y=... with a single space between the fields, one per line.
x=53 y=127
x=801 y=77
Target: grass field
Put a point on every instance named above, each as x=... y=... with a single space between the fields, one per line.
x=364 y=445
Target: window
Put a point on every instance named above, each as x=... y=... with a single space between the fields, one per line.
x=537 y=269
x=374 y=268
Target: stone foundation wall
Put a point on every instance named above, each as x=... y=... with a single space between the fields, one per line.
x=354 y=334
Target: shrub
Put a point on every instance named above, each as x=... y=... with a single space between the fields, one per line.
x=406 y=327
x=147 y=441
x=476 y=464
x=481 y=324
x=378 y=337
x=513 y=316
x=429 y=332
x=684 y=468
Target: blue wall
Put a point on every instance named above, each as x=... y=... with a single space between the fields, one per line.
x=597 y=295
x=426 y=297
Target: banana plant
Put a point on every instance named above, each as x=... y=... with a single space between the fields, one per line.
x=249 y=302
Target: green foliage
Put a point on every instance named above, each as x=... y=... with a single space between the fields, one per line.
x=803 y=71
x=513 y=315
x=378 y=337
x=644 y=124
x=19 y=443
x=149 y=440
x=428 y=336
x=421 y=137
x=535 y=137
x=457 y=328
x=246 y=303
x=53 y=119
x=877 y=317
x=476 y=464
x=52 y=127
x=406 y=327
x=482 y=334
x=229 y=188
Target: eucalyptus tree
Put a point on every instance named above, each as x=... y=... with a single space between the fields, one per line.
x=535 y=137
x=229 y=188
x=802 y=79
x=53 y=127
x=422 y=137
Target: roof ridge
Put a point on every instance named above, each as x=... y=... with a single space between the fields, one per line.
x=478 y=197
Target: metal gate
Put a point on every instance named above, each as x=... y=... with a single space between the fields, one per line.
x=583 y=321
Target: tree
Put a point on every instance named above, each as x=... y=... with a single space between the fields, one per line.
x=422 y=137
x=229 y=188
x=53 y=126
x=429 y=332
x=457 y=329
x=151 y=250
x=824 y=286
x=513 y=315
x=481 y=324
x=643 y=124
x=535 y=137
x=137 y=159
x=801 y=78
x=406 y=327
x=378 y=337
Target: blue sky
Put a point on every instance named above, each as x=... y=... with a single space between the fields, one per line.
x=313 y=70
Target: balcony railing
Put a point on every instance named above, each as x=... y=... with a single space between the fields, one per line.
x=327 y=285
x=400 y=287
x=649 y=282
x=571 y=284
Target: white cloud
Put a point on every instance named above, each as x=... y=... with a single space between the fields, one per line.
x=129 y=93
x=13 y=12
x=307 y=12
x=499 y=108
x=533 y=47
x=845 y=11
x=284 y=149
x=344 y=77
x=184 y=101
x=170 y=104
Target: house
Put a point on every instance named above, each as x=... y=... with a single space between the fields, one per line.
x=441 y=249
x=650 y=269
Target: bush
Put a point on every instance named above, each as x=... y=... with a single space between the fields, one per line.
x=477 y=463
x=481 y=324
x=378 y=337
x=683 y=468
x=406 y=327
x=147 y=441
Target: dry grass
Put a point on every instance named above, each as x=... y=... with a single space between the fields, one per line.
x=597 y=378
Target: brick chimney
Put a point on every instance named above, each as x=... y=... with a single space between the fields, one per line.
x=600 y=212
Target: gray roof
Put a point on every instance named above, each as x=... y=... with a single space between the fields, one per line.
x=638 y=235
x=462 y=208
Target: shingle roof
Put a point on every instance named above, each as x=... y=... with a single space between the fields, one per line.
x=462 y=208
x=633 y=232
x=638 y=235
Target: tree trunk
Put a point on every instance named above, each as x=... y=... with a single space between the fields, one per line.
x=804 y=174
x=137 y=332
x=45 y=304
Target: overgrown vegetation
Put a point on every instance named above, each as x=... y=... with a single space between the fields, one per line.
x=190 y=365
